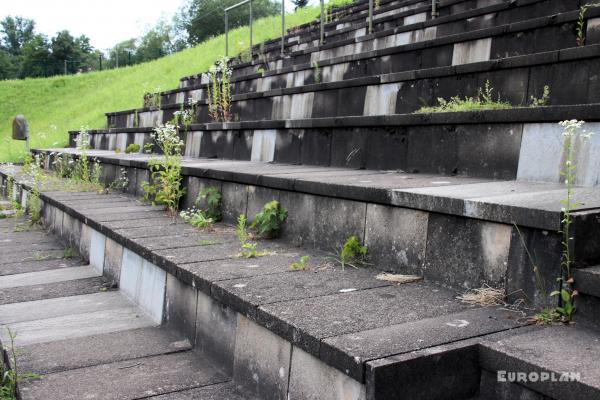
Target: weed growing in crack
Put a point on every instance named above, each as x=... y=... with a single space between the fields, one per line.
x=219 y=91
x=247 y=249
x=566 y=293
x=165 y=186
x=10 y=375
x=269 y=220
x=539 y=102
x=212 y=197
x=301 y=264
x=196 y=218
x=352 y=254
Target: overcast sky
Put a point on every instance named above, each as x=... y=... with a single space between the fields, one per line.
x=105 y=22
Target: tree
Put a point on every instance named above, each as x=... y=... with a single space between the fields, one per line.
x=300 y=3
x=8 y=69
x=155 y=43
x=202 y=19
x=36 y=59
x=16 y=31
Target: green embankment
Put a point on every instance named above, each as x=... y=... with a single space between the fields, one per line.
x=53 y=106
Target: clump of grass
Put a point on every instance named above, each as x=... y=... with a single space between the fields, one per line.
x=132 y=148
x=483 y=100
x=486 y=297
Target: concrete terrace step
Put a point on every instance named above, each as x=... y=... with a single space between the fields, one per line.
x=555 y=351
x=531 y=17
x=130 y=379
x=374 y=91
x=458 y=195
x=276 y=330
x=87 y=343
x=383 y=43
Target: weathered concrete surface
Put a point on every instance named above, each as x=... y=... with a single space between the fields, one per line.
x=63 y=355
x=349 y=352
x=262 y=361
x=79 y=325
x=305 y=322
x=129 y=379
x=37 y=266
x=180 y=307
x=52 y=290
x=45 y=277
x=556 y=349
x=310 y=379
x=59 y=307
x=221 y=391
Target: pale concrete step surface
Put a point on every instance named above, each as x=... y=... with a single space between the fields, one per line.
x=89 y=342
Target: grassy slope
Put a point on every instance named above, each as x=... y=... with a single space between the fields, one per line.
x=55 y=105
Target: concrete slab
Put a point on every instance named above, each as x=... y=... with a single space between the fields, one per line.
x=79 y=325
x=557 y=349
x=63 y=355
x=36 y=266
x=52 y=290
x=219 y=391
x=349 y=352
x=262 y=361
x=310 y=379
x=245 y=294
x=34 y=255
x=144 y=283
x=62 y=306
x=46 y=277
x=129 y=379
x=306 y=322
x=203 y=274
x=97 y=247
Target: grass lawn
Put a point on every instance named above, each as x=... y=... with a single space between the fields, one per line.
x=53 y=106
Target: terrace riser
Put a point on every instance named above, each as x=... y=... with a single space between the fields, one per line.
x=412 y=30
x=570 y=82
x=455 y=251
x=495 y=151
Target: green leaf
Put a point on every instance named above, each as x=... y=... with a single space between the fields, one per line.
x=565 y=295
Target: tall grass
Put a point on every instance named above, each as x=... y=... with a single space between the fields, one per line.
x=53 y=106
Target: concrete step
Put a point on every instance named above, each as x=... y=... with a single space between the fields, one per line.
x=368 y=48
x=221 y=391
x=71 y=354
x=560 y=351
x=276 y=330
x=47 y=276
x=53 y=290
x=383 y=89
x=469 y=208
x=130 y=379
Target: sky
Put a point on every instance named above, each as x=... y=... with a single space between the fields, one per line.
x=105 y=22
